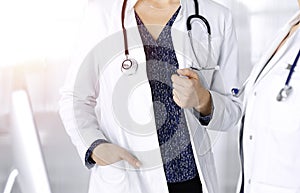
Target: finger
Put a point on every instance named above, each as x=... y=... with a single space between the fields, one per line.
x=188 y=73
x=103 y=156
x=181 y=81
x=125 y=155
x=176 y=98
x=174 y=77
x=179 y=86
x=100 y=162
x=183 y=101
x=181 y=91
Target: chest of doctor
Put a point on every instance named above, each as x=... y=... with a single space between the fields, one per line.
x=272 y=127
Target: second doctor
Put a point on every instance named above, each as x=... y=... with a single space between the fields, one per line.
x=270 y=132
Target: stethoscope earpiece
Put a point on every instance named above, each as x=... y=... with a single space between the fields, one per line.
x=235 y=92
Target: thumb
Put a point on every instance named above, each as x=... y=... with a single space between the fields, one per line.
x=125 y=155
x=188 y=73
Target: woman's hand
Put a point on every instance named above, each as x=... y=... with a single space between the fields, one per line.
x=108 y=153
x=188 y=91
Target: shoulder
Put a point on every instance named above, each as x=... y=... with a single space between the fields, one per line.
x=215 y=10
x=214 y=7
x=218 y=15
x=105 y=7
x=102 y=15
x=98 y=22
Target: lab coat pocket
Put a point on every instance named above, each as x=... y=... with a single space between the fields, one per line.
x=283 y=115
x=283 y=70
x=113 y=173
x=258 y=187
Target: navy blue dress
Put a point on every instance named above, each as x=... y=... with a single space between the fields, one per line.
x=173 y=135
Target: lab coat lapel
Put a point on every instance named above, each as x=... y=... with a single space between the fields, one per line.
x=260 y=71
x=263 y=68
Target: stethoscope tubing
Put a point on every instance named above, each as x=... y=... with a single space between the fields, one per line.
x=236 y=92
x=130 y=62
x=124 y=29
x=287 y=82
x=287 y=89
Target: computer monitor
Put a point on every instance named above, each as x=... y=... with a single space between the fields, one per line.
x=28 y=157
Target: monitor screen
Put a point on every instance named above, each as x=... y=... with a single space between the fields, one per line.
x=28 y=156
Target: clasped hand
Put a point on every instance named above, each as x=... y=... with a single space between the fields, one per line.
x=108 y=153
x=188 y=92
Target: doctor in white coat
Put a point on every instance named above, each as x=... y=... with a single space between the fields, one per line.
x=109 y=115
x=271 y=125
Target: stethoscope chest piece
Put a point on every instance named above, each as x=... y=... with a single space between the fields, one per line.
x=129 y=66
x=284 y=93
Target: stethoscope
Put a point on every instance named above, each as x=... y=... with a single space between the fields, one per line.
x=284 y=93
x=130 y=65
x=287 y=89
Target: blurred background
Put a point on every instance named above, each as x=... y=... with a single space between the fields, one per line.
x=38 y=36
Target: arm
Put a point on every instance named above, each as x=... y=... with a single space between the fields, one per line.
x=77 y=110
x=218 y=103
x=77 y=105
x=80 y=93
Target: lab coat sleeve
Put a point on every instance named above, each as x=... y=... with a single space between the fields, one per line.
x=81 y=88
x=227 y=109
x=77 y=106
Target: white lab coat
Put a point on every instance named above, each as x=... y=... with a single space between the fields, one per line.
x=271 y=134
x=99 y=102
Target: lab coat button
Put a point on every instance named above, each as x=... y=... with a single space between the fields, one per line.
x=254 y=94
x=249 y=181
x=251 y=137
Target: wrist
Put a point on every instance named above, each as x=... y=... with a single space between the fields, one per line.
x=89 y=157
x=205 y=102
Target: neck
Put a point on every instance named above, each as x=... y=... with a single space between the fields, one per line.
x=161 y=4
x=163 y=1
